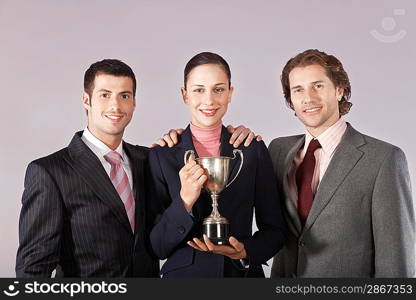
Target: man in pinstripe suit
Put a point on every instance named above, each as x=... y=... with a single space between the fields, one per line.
x=73 y=214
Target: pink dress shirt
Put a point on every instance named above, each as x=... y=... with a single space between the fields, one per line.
x=329 y=140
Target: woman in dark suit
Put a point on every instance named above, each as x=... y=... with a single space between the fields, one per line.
x=177 y=188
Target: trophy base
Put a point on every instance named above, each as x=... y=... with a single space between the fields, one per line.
x=218 y=233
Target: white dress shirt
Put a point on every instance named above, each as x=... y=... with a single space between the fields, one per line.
x=100 y=149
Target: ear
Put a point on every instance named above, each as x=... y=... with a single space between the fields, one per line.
x=86 y=101
x=184 y=95
x=339 y=93
x=230 y=94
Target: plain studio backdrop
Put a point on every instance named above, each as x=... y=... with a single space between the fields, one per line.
x=46 y=46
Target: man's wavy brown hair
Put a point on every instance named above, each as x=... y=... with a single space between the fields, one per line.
x=334 y=70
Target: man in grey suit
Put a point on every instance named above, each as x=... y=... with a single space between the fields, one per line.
x=348 y=198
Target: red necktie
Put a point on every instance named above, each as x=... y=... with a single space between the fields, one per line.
x=304 y=175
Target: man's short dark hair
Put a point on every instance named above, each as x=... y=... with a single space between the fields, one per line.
x=113 y=67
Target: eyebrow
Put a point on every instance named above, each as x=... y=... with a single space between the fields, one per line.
x=108 y=91
x=104 y=90
x=201 y=85
x=314 y=82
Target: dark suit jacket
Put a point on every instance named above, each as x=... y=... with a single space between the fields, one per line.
x=361 y=223
x=255 y=187
x=73 y=216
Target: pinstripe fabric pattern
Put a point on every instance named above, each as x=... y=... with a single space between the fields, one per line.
x=72 y=216
x=120 y=181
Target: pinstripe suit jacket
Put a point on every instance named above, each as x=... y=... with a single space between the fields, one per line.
x=72 y=216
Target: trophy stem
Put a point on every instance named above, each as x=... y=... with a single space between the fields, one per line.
x=216 y=227
x=215 y=213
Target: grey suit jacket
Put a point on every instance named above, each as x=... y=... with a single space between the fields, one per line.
x=361 y=223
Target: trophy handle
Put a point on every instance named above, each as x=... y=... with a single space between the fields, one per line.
x=187 y=154
x=241 y=164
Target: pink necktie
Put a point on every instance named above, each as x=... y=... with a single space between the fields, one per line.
x=121 y=182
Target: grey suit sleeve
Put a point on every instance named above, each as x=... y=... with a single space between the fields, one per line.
x=393 y=218
x=40 y=224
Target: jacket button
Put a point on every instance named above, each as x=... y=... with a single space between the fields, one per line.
x=301 y=243
x=181 y=229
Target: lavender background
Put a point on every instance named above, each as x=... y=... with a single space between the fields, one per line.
x=45 y=47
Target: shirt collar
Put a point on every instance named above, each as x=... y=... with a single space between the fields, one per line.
x=330 y=138
x=98 y=147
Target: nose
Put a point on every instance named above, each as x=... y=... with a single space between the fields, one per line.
x=308 y=96
x=114 y=102
x=209 y=98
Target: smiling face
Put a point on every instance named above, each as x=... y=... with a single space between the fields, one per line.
x=314 y=98
x=110 y=108
x=207 y=94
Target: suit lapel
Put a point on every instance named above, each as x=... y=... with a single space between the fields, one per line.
x=344 y=160
x=89 y=167
x=295 y=223
x=137 y=159
x=185 y=143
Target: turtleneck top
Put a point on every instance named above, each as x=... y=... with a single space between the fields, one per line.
x=206 y=141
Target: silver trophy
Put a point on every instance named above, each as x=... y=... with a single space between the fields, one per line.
x=215 y=226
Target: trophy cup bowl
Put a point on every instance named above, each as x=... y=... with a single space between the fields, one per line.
x=217 y=169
